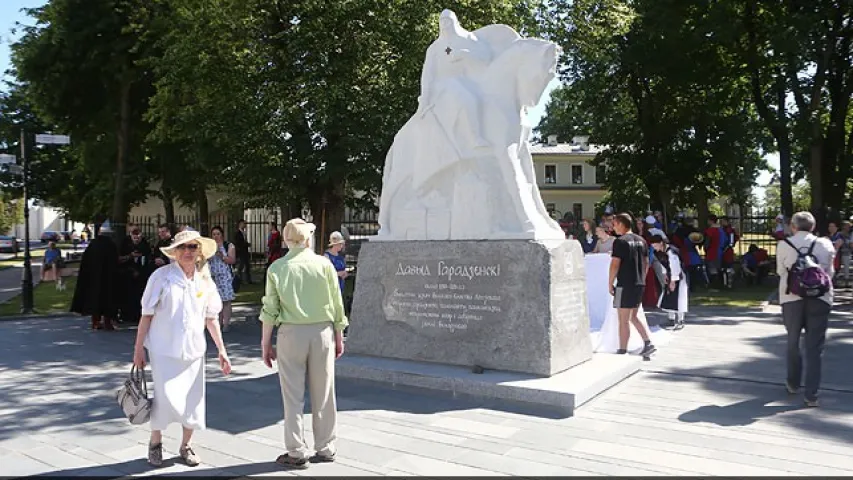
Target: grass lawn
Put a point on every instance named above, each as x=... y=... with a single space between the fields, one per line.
x=251 y=294
x=19 y=262
x=740 y=296
x=46 y=299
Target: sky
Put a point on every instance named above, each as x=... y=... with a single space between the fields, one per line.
x=10 y=14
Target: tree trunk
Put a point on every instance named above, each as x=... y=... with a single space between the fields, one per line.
x=203 y=213
x=327 y=209
x=702 y=209
x=168 y=205
x=666 y=206
x=784 y=143
x=290 y=209
x=786 y=195
x=120 y=207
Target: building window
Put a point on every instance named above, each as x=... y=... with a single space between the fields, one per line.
x=577 y=174
x=600 y=172
x=550 y=174
x=552 y=209
x=577 y=210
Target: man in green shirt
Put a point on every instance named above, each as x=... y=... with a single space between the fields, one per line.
x=303 y=301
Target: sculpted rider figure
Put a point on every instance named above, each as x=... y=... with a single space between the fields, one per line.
x=452 y=63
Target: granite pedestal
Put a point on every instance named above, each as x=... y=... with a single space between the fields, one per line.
x=427 y=313
x=511 y=305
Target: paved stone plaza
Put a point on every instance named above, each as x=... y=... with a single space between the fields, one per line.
x=710 y=403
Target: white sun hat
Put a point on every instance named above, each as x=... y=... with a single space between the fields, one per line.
x=336 y=238
x=208 y=245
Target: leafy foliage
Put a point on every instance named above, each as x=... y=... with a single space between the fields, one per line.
x=686 y=94
x=672 y=135
x=77 y=69
x=287 y=103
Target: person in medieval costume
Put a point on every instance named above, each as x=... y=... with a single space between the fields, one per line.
x=135 y=265
x=95 y=293
x=675 y=289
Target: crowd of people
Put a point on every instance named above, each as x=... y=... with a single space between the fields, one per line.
x=113 y=275
x=670 y=260
x=184 y=285
x=656 y=269
x=708 y=256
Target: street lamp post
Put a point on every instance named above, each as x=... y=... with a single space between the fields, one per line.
x=27 y=282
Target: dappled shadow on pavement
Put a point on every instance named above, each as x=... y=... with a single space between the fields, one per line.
x=738 y=414
x=57 y=374
x=744 y=353
x=172 y=467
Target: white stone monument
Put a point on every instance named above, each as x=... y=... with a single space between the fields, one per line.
x=468 y=269
x=460 y=168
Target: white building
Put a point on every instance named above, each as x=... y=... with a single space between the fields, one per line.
x=567 y=181
x=44 y=218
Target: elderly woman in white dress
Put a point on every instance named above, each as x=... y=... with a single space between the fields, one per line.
x=180 y=300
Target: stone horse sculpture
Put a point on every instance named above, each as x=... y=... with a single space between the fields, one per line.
x=460 y=168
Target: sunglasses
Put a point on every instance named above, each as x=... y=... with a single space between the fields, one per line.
x=188 y=246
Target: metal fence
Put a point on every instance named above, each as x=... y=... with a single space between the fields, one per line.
x=357 y=224
x=257 y=227
x=755 y=227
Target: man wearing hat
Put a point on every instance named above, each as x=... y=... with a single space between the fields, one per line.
x=303 y=300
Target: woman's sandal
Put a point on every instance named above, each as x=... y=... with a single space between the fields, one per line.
x=155 y=455
x=189 y=456
x=290 y=462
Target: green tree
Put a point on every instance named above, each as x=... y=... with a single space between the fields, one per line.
x=57 y=177
x=78 y=68
x=798 y=56
x=686 y=134
x=801 y=197
x=11 y=211
x=292 y=103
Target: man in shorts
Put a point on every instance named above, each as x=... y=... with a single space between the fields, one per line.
x=628 y=268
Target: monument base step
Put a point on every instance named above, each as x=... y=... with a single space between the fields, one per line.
x=560 y=394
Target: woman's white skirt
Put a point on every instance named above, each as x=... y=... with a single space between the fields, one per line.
x=178 y=392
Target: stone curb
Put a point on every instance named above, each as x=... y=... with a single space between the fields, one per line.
x=37 y=316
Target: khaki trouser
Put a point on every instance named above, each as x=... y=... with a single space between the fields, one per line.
x=311 y=349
